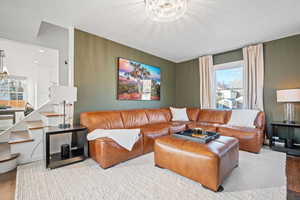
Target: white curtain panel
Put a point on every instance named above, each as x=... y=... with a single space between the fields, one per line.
x=205 y=70
x=254 y=76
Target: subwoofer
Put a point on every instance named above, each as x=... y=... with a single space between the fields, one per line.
x=65 y=151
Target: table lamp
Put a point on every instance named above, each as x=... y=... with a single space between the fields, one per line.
x=63 y=95
x=289 y=97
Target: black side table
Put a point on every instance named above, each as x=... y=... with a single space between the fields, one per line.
x=288 y=137
x=78 y=149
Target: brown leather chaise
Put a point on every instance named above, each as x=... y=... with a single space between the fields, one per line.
x=155 y=123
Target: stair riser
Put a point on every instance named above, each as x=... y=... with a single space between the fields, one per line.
x=8 y=165
x=30 y=151
x=51 y=121
x=5 y=124
x=4 y=138
x=24 y=149
x=35 y=150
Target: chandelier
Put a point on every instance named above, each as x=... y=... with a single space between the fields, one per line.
x=165 y=10
x=3 y=74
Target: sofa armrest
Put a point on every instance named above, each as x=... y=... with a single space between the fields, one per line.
x=260 y=121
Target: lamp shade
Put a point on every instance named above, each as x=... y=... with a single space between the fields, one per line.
x=289 y=95
x=63 y=93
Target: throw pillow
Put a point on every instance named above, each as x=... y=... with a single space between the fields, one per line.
x=179 y=114
x=245 y=118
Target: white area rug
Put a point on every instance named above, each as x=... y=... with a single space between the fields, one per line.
x=258 y=177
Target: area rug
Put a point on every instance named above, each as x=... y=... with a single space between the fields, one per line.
x=258 y=177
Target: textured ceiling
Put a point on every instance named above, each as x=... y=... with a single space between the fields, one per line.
x=209 y=26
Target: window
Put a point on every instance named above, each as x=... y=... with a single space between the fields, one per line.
x=13 y=88
x=228 y=89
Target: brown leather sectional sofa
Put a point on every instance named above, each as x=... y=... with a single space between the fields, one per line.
x=155 y=123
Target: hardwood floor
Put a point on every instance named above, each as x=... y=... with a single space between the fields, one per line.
x=8 y=185
x=293 y=177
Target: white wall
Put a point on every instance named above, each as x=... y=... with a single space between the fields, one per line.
x=56 y=37
x=49 y=36
x=38 y=64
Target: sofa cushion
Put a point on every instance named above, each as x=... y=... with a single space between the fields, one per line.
x=158 y=115
x=238 y=130
x=101 y=120
x=193 y=113
x=251 y=139
x=151 y=132
x=214 y=116
x=134 y=118
x=178 y=126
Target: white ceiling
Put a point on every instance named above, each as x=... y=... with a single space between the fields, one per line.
x=23 y=59
x=209 y=26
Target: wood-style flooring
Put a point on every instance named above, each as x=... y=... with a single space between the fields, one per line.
x=8 y=185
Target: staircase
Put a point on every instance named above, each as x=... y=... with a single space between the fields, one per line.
x=8 y=161
x=24 y=142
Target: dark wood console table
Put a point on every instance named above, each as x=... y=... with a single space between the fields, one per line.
x=287 y=136
x=78 y=148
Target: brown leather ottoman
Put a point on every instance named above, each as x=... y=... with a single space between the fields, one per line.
x=208 y=164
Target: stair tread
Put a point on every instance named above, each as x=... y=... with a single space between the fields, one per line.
x=19 y=137
x=51 y=114
x=38 y=124
x=6 y=117
x=9 y=157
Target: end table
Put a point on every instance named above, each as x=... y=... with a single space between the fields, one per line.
x=78 y=148
x=288 y=138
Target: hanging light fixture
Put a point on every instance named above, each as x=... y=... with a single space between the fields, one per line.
x=3 y=73
x=165 y=10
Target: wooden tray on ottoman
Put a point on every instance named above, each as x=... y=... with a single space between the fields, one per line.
x=203 y=136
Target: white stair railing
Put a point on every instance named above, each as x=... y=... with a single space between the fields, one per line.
x=21 y=125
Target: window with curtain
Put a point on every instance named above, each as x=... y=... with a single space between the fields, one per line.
x=228 y=85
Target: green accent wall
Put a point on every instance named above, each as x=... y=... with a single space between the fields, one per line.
x=188 y=84
x=282 y=71
x=96 y=75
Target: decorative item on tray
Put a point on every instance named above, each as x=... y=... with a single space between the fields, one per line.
x=198 y=132
x=197 y=135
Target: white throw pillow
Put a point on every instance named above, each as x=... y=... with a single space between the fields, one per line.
x=179 y=114
x=244 y=118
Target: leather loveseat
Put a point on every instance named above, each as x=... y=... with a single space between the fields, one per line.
x=155 y=123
